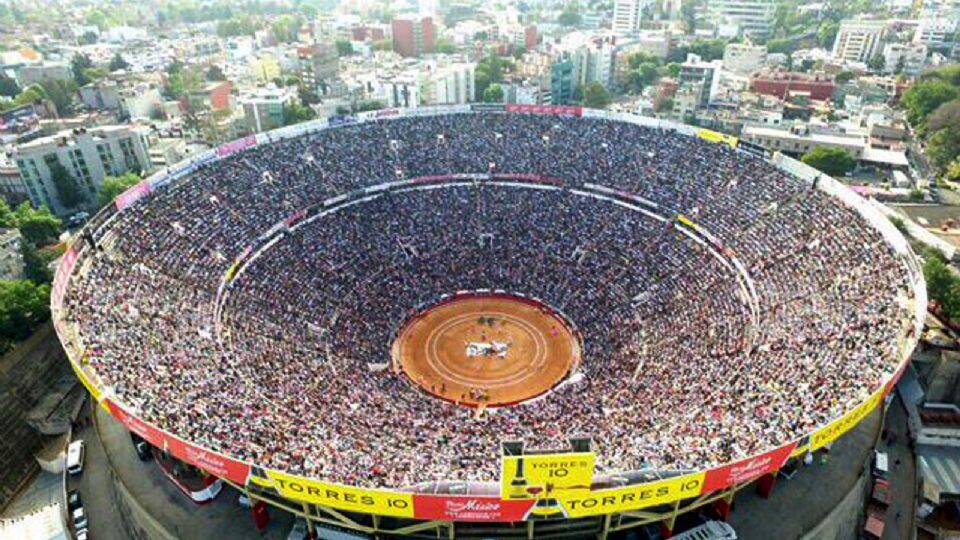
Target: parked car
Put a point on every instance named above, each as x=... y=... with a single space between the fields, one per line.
x=79 y=519
x=73 y=500
x=75 y=454
x=77 y=220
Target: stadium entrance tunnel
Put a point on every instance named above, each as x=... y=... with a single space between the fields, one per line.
x=487 y=349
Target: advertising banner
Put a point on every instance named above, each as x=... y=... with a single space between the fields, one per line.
x=368 y=501
x=132 y=195
x=82 y=375
x=717 y=137
x=488 y=107
x=340 y=120
x=838 y=427
x=544 y=109
x=382 y=113
x=624 y=499
x=211 y=462
x=546 y=476
x=466 y=508
x=747 y=469
x=235 y=146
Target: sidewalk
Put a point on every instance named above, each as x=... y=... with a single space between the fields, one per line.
x=181 y=517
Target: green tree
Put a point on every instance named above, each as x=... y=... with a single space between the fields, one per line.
x=78 y=64
x=24 y=305
x=37 y=225
x=61 y=92
x=215 y=73
x=833 y=161
x=493 y=94
x=877 y=63
x=942 y=285
x=115 y=185
x=596 y=96
x=827 y=33
x=924 y=97
x=344 y=47
x=118 y=63
x=295 y=113
x=8 y=86
x=34 y=267
x=444 y=46
x=570 y=16
x=370 y=105
x=490 y=70
x=97 y=18
x=943 y=147
x=845 y=76
x=286 y=27
x=68 y=191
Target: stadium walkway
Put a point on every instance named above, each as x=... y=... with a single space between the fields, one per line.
x=802 y=503
x=170 y=508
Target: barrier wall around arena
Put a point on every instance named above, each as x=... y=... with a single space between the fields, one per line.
x=671 y=488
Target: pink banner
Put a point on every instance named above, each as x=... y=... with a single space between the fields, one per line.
x=545 y=109
x=235 y=146
x=132 y=195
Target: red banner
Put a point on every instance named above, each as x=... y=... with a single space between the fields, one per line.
x=747 y=469
x=467 y=508
x=235 y=146
x=544 y=109
x=211 y=462
x=67 y=261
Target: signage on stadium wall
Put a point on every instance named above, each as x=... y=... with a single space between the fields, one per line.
x=95 y=392
x=717 y=137
x=487 y=107
x=382 y=113
x=132 y=195
x=845 y=423
x=634 y=497
x=748 y=469
x=339 y=120
x=544 y=109
x=467 y=508
x=67 y=262
x=546 y=476
x=211 y=462
x=235 y=146
x=367 y=501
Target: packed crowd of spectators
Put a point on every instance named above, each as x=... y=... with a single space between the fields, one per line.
x=678 y=372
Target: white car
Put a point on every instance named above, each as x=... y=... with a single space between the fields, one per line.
x=79 y=519
x=75 y=453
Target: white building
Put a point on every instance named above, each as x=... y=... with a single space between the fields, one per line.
x=744 y=58
x=703 y=76
x=859 y=40
x=263 y=108
x=450 y=84
x=906 y=58
x=88 y=155
x=754 y=17
x=937 y=32
x=627 y=15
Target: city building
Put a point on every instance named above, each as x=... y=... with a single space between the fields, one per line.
x=754 y=18
x=627 y=15
x=12 y=189
x=744 y=58
x=101 y=95
x=318 y=67
x=449 y=84
x=561 y=82
x=859 y=40
x=11 y=257
x=263 y=110
x=166 y=151
x=937 y=33
x=780 y=83
x=703 y=76
x=214 y=96
x=47 y=71
x=905 y=58
x=800 y=138
x=88 y=155
x=413 y=35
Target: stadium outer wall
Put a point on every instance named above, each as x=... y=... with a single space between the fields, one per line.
x=393 y=512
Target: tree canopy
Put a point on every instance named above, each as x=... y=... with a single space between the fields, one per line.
x=23 y=306
x=37 y=225
x=596 y=96
x=924 y=97
x=295 y=113
x=943 y=285
x=78 y=66
x=832 y=161
x=493 y=94
x=115 y=185
x=68 y=191
x=118 y=63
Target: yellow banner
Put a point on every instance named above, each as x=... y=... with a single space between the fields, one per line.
x=633 y=497
x=368 y=501
x=546 y=476
x=716 y=137
x=94 y=391
x=684 y=220
x=845 y=423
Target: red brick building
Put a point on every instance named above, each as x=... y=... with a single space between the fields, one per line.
x=413 y=35
x=781 y=83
